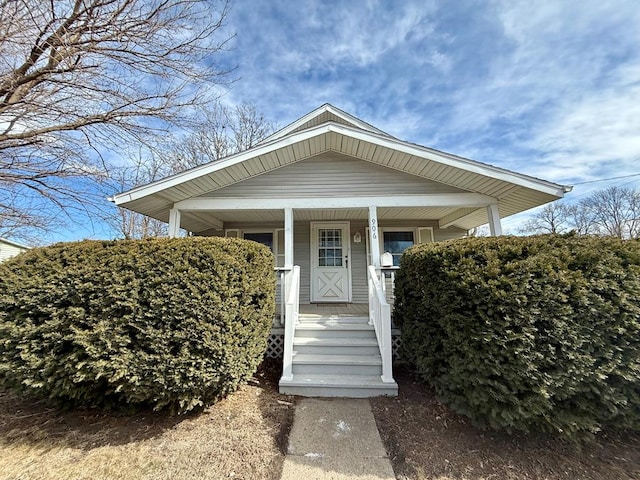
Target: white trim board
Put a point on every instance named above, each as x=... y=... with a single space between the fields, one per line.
x=435 y=200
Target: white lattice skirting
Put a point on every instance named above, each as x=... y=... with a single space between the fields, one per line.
x=396 y=338
x=275 y=345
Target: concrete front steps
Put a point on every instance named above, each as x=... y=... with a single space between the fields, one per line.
x=336 y=356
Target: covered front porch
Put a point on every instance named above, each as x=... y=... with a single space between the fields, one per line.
x=335 y=293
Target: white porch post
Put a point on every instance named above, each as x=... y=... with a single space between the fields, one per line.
x=288 y=256
x=494 y=219
x=174 y=223
x=288 y=237
x=291 y=296
x=374 y=233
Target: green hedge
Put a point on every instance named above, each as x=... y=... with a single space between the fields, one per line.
x=168 y=323
x=527 y=333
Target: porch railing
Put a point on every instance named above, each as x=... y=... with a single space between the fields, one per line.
x=291 y=289
x=380 y=318
x=281 y=273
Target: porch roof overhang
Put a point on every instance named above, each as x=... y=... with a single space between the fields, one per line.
x=484 y=184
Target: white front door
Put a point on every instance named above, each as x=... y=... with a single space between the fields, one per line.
x=330 y=262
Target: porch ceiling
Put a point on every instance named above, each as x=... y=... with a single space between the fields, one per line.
x=513 y=192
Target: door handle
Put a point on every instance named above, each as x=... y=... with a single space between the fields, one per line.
x=346 y=261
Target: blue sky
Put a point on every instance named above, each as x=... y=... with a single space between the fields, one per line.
x=547 y=88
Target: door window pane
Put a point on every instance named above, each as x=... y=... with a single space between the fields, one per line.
x=329 y=247
x=396 y=243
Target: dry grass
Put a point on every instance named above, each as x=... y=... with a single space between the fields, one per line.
x=241 y=437
x=245 y=435
x=426 y=440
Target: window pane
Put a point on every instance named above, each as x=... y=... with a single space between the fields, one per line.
x=396 y=243
x=329 y=247
x=263 y=238
x=280 y=248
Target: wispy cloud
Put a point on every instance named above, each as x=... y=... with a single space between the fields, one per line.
x=551 y=89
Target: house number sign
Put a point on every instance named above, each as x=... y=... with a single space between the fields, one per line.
x=374 y=229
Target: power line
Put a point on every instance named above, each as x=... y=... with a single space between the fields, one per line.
x=607 y=179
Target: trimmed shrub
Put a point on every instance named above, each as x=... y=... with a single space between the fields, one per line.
x=527 y=333
x=167 y=323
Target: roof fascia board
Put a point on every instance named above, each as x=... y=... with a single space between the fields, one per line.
x=355 y=120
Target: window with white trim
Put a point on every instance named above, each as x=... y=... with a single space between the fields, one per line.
x=274 y=239
x=396 y=240
x=265 y=238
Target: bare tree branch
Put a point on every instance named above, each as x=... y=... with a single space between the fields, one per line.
x=131 y=225
x=552 y=218
x=80 y=77
x=223 y=131
x=614 y=211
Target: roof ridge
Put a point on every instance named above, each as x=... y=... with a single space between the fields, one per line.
x=325 y=107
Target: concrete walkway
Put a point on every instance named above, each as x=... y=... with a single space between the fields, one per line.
x=335 y=439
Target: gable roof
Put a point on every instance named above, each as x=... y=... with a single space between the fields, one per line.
x=328 y=129
x=323 y=114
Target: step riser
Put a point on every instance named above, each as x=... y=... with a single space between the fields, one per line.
x=319 y=333
x=338 y=350
x=326 y=369
x=342 y=320
x=337 y=392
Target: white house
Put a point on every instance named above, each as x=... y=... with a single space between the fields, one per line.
x=10 y=249
x=329 y=194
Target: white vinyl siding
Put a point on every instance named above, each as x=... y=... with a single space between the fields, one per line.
x=8 y=250
x=301 y=257
x=359 y=284
x=332 y=174
x=451 y=233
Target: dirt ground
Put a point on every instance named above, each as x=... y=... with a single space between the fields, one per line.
x=245 y=436
x=241 y=437
x=426 y=440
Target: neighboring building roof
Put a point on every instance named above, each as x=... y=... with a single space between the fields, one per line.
x=13 y=244
x=328 y=129
x=9 y=248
